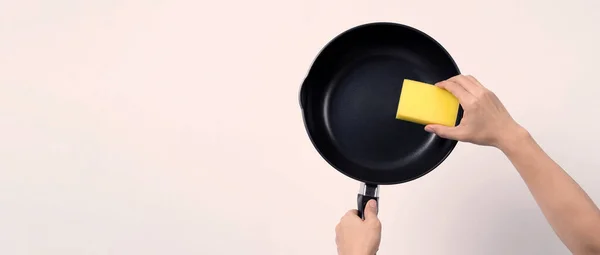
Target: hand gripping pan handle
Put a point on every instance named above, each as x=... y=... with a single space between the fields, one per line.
x=366 y=193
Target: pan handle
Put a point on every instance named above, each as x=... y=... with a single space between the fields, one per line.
x=366 y=193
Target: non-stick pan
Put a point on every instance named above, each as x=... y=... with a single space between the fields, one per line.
x=349 y=100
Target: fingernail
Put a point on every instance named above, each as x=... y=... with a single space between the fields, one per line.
x=428 y=129
x=373 y=203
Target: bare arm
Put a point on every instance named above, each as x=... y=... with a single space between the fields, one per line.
x=571 y=213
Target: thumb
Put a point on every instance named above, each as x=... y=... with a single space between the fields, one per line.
x=371 y=210
x=443 y=131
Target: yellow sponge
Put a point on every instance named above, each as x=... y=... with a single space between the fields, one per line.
x=425 y=104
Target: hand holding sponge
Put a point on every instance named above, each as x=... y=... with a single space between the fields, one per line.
x=425 y=104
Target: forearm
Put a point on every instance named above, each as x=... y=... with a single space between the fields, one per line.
x=571 y=213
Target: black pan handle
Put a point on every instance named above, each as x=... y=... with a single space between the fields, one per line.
x=366 y=193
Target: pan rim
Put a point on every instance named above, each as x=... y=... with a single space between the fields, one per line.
x=302 y=100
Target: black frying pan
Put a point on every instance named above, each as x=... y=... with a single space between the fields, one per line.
x=350 y=97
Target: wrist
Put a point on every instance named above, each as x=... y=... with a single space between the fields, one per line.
x=513 y=139
x=357 y=251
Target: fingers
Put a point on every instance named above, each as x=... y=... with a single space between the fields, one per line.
x=457 y=90
x=452 y=133
x=472 y=79
x=371 y=210
x=469 y=83
x=371 y=215
x=352 y=212
x=465 y=83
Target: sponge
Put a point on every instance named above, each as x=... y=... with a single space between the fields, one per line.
x=425 y=104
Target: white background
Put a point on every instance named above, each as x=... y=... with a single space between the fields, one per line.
x=173 y=127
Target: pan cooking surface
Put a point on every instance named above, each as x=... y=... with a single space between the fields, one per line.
x=361 y=111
